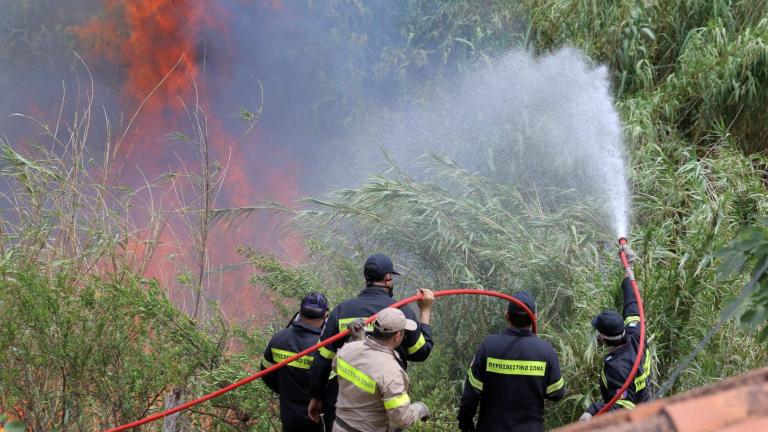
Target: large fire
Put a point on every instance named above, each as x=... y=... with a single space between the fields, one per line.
x=158 y=51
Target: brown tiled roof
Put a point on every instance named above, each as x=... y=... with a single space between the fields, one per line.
x=738 y=404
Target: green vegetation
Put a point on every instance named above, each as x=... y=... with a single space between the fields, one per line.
x=88 y=342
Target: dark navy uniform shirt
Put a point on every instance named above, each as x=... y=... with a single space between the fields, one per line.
x=416 y=345
x=292 y=381
x=618 y=363
x=510 y=376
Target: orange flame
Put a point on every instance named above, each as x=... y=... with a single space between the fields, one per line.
x=158 y=48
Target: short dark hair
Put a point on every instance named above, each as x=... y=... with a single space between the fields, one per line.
x=382 y=336
x=312 y=313
x=519 y=319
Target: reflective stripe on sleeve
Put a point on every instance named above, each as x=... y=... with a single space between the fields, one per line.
x=640 y=381
x=304 y=362
x=354 y=376
x=417 y=346
x=474 y=382
x=266 y=363
x=516 y=367
x=397 y=401
x=625 y=404
x=630 y=319
x=326 y=353
x=557 y=385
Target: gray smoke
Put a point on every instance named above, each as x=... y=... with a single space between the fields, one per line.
x=539 y=122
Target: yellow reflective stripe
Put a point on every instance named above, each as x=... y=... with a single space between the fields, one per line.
x=640 y=381
x=556 y=386
x=474 y=382
x=631 y=319
x=332 y=375
x=397 y=401
x=516 y=367
x=344 y=324
x=326 y=353
x=625 y=404
x=266 y=363
x=354 y=376
x=303 y=362
x=417 y=346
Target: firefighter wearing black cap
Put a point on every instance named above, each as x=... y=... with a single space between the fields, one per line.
x=622 y=338
x=292 y=381
x=377 y=295
x=510 y=376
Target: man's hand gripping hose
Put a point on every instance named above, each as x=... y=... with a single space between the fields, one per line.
x=340 y=335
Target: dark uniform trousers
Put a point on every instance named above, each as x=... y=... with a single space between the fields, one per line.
x=416 y=345
x=304 y=428
x=618 y=364
x=292 y=381
x=509 y=378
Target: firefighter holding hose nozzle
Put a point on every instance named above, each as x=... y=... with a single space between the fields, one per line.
x=621 y=336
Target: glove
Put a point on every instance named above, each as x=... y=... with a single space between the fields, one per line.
x=585 y=417
x=422 y=409
x=631 y=255
x=357 y=330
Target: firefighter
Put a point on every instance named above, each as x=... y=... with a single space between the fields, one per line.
x=510 y=376
x=377 y=295
x=622 y=338
x=292 y=381
x=373 y=387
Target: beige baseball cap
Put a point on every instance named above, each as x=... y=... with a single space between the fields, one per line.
x=392 y=320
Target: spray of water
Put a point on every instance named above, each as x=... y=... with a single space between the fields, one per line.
x=546 y=122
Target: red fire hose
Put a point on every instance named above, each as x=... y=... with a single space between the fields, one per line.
x=641 y=347
x=330 y=340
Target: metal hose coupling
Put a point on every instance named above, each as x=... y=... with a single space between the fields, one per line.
x=627 y=256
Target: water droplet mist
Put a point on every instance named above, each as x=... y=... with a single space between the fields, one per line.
x=548 y=122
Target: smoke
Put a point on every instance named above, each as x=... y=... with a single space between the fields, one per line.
x=536 y=122
x=330 y=77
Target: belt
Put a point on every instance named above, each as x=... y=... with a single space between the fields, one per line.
x=346 y=425
x=349 y=428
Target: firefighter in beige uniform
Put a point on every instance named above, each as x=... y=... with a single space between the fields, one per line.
x=373 y=387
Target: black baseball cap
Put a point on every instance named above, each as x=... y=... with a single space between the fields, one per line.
x=609 y=323
x=527 y=298
x=377 y=266
x=314 y=305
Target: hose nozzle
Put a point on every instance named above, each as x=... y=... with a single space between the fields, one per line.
x=626 y=250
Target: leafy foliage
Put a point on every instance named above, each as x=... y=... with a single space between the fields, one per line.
x=750 y=249
x=81 y=356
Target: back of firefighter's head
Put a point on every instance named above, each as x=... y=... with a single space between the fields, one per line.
x=314 y=306
x=378 y=271
x=610 y=328
x=516 y=315
x=390 y=326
